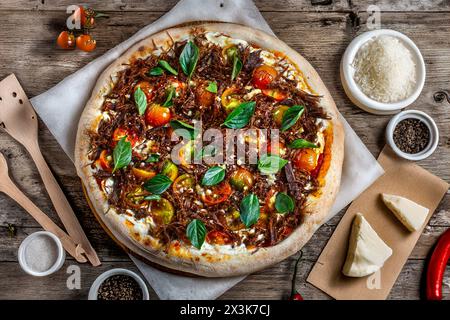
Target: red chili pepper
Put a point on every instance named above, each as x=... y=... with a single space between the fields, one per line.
x=294 y=293
x=436 y=267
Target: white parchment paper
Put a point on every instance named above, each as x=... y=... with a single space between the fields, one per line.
x=60 y=108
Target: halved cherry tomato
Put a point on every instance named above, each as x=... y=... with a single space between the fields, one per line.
x=203 y=97
x=147 y=88
x=218 y=237
x=169 y=169
x=183 y=183
x=276 y=148
x=143 y=174
x=157 y=115
x=186 y=154
x=230 y=99
x=305 y=159
x=263 y=76
x=229 y=52
x=269 y=202
x=278 y=114
x=275 y=94
x=66 y=40
x=86 y=43
x=242 y=179
x=119 y=133
x=162 y=210
x=105 y=160
x=216 y=194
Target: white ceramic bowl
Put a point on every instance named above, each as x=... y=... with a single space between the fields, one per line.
x=113 y=272
x=59 y=259
x=354 y=92
x=429 y=122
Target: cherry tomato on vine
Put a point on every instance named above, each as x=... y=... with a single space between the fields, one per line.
x=86 y=43
x=66 y=40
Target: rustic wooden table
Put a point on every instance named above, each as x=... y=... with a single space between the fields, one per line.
x=320 y=33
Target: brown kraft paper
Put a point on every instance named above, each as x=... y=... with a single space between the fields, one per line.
x=403 y=178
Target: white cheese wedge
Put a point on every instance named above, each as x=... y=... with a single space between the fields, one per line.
x=411 y=214
x=367 y=252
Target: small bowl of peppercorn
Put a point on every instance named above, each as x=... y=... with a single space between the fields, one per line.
x=118 y=284
x=412 y=134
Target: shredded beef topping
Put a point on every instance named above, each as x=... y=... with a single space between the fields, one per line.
x=218 y=206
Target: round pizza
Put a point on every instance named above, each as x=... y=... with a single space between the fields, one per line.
x=213 y=150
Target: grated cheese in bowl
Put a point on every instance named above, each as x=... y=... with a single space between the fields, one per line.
x=385 y=70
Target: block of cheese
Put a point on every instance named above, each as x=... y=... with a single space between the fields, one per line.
x=411 y=214
x=367 y=252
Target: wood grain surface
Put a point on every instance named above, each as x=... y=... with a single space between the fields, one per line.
x=320 y=33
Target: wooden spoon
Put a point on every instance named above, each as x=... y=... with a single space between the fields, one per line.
x=8 y=187
x=18 y=118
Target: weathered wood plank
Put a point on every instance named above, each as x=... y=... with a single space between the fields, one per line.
x=165 y=5
x=273 y=283
x=108 y=251
x=404 y=5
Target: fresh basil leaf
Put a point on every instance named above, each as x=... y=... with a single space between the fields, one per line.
x=158 y=184
x=249 y=210
x=178 y=124
x=122 y=154
x=154 y=157
x=170 y=95
x=156 y=71
x=237 y=66
x=188 y=58
x=271 y=164
x=240 y=116
x=284 y=203
x=291 y=116
x=301 y=143
x=213 y=176
x=141 y=100
x=196 y=233
x=153 y=197
x=212 y=87
x=166 y=65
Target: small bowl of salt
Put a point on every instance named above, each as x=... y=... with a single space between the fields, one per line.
x=41 y=254
x=382 y=71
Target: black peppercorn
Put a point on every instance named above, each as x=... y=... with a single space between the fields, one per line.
x=411 y=135
x=119 y=287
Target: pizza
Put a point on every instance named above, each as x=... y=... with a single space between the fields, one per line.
x=213 y=150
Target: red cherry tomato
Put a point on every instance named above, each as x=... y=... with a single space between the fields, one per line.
x=305 y=159
x=157 y=115
x=104 y=160
x=275 y=94
x=203 y=97
x=66 y=40
x=217 y=194
x=263 y=76
x=296 y=296
x=119 y=133
x=218 y=237
x=147 y=88
x=276 y=148
x=86 y=43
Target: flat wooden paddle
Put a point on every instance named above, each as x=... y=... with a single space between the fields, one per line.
x=18 y=118
x=8 y=187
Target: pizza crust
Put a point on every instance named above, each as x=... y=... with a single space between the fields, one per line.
x=227 y=264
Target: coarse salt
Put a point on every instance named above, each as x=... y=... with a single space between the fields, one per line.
x=41 y=253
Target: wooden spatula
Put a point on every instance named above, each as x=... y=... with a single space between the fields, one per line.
x=8 y=187
x=18 y=118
